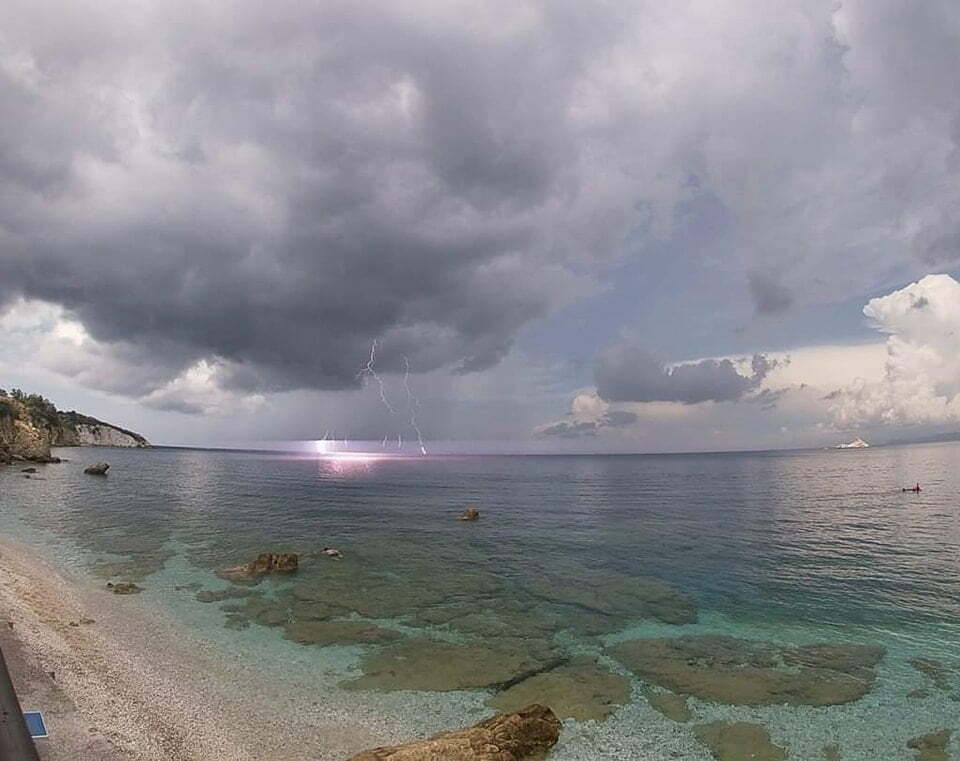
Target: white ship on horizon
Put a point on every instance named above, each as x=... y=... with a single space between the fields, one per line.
x=855 y=444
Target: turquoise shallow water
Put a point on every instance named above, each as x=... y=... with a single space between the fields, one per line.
x=787 y=549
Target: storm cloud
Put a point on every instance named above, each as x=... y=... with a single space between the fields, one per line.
x=625 y=373
x=234 y=198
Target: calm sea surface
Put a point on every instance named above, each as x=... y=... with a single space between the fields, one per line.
x=573 y=556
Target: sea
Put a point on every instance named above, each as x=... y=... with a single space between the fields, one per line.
x=595 y=582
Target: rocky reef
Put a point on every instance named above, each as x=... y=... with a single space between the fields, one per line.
x=526 y=734
x=30 y=425
x=723 y=669
x=739 y=741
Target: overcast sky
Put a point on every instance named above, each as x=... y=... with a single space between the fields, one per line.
x=607 y=226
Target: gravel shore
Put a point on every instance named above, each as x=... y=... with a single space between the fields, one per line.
x=116 y=680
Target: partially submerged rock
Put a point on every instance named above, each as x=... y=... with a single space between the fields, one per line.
x=28 y=470
x=470 y=514
x=430 y=665
x=338 y=633
x=267 y=562
x=124 y=588
x=932 y=746
x=581 y=689
x=735 y=671
x=100 y=469
x=672 y=706
x=739 y=741
x=525 y=734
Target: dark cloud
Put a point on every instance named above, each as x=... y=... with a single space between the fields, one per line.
x=618 y=419
x=271 y=188
x=569 y=430
x=625 y=373
x=769 y=295
x=276 y=188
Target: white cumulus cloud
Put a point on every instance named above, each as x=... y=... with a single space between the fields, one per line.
x=921 y=380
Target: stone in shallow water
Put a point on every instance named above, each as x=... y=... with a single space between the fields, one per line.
x=303 y=610
x=390 y=596
x=672 y=706
x=831 y=752
x=932 y=746
x=937 y=671
x=124 y=588
x=219 y=595
x=743 y=672
x=615 y=594
x=526 y=734
x=338 y=633
x=426 y=664
x=581 y=689
x=739 y=741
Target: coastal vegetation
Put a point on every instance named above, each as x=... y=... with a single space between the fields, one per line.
x=30 y=425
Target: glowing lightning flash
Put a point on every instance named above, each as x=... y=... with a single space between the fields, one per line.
x=369 y=371
x=413 y=404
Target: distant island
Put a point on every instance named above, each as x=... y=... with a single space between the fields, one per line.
x=855 y=444
x=30 y=425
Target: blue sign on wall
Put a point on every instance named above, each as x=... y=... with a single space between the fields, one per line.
x=35 y=723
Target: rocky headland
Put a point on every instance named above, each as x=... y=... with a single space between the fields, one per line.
x=30 y=425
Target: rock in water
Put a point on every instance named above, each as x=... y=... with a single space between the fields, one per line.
x=124 y=588
x=267 y=562
x=100 y=469
x=932 y=746
x=739 y=741
x=504 y=737
x=470 y=514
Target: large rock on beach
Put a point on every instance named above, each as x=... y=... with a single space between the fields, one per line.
x=266 y=563
x=525 y=734
x=739 y=741
x=724 y=669
x=431 y=665
x=581 y=689
x=100 y=469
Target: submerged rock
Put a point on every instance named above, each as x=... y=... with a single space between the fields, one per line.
x=470 y=514
x=267 y=562
x=338 y=633
x=670 y=705
x=739 y=741
x=831 y=752
x=28 y=470
x=938 y=672
x=504 y=737
x=616 y=595
x=735 y=671
x=219 y=595
x=100 y=469
x=581 y=689
x=430 y=665
x=932 y=746
x=124 y=588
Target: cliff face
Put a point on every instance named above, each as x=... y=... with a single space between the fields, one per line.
x=30 y=425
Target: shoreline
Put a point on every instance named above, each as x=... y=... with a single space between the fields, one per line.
x=132 y=685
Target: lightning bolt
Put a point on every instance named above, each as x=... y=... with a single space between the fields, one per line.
x=413 y=404
x=368 y=371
